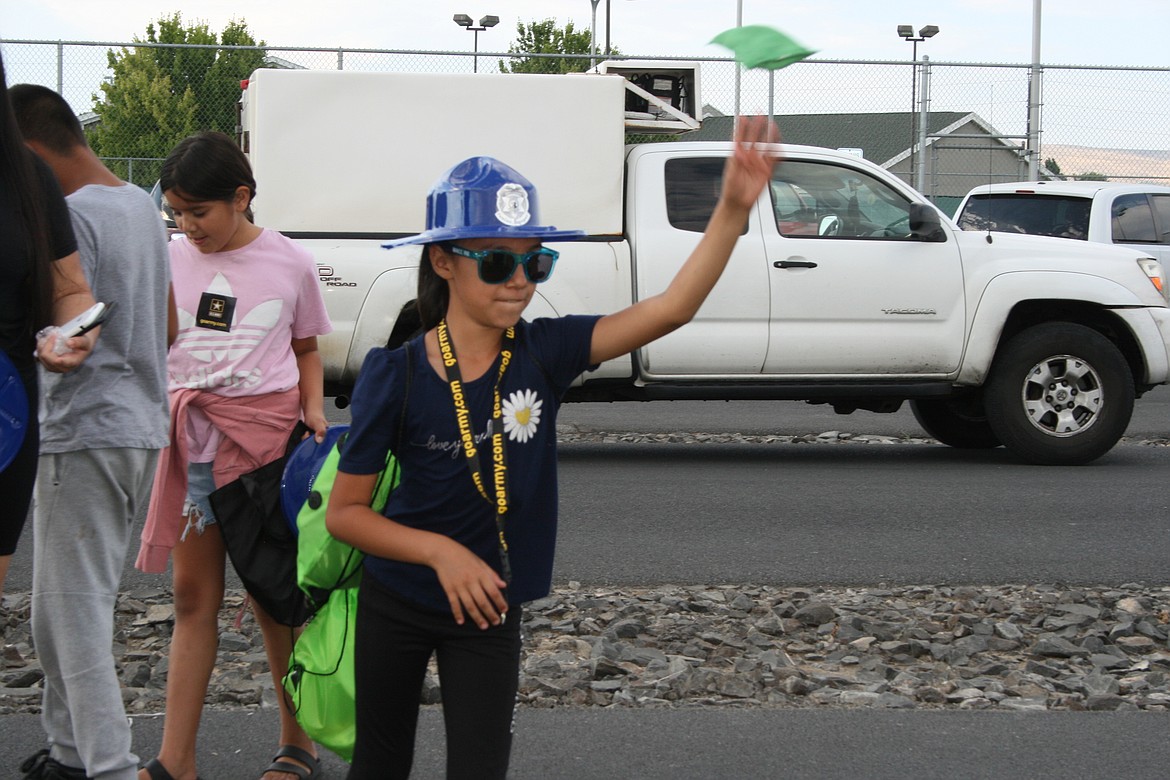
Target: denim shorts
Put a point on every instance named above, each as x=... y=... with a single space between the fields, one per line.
x=200 y=483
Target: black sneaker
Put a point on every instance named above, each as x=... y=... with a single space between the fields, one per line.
x=42 y=766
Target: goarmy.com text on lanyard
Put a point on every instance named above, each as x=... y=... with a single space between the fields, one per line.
x=495 y=427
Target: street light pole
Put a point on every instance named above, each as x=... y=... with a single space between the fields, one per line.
x=593 y=33
x=1034 y=98
x=464 y=21
x=906 y=31
x=606 y=28
x=738 y=67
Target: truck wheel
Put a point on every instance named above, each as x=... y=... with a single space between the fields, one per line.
x=1059 y=394
x=956 y=422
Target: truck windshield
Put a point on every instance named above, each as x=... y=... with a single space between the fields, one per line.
x=1022 y=212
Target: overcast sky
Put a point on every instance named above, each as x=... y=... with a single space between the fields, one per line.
x=1082 y=32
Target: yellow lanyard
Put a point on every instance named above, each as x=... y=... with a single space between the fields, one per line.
x=495 y=427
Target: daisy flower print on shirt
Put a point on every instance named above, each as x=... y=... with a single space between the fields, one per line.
x=521 y=415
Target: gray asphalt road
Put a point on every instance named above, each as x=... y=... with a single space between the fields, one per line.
x=703 y=744
x=858 y=514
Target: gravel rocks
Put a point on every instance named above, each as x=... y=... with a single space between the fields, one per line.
x=584 y=434
x=579 y=434
x=1007 y=647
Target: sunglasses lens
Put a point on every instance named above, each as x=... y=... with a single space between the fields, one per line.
x=497 y=267
x=540 y=266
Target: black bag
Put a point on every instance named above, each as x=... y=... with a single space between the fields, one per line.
x=259 y=541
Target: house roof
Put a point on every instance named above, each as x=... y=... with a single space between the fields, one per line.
x=883 y=138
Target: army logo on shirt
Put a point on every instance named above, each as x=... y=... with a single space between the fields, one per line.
x=215 y=311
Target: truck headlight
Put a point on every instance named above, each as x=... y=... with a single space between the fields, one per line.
x=1153 y=270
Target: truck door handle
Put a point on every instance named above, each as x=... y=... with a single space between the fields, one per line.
x=794 y=264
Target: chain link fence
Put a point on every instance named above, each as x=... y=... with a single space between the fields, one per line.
x=1095 y=122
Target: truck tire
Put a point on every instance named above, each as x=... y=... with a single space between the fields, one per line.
x=956 y=422
x=1059 y=394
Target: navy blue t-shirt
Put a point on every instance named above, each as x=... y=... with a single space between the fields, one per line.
x=436 y=492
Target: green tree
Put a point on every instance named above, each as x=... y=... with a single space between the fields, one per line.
x=1051 y=164
x=158 y=95
x=1091 y=176
x=546 y=38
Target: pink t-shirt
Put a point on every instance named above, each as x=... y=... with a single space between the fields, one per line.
x=238 y=314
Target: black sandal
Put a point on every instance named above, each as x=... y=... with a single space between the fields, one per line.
x=310 y=771
x=157 y=771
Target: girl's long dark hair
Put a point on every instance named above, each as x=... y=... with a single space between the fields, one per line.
x=433 y=295
x=18 y=172
x=207 y=166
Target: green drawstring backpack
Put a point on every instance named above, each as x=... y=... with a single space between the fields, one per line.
x=323 y=563
x=320 y=681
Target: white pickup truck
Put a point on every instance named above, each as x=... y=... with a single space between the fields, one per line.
x=1101 y=212
x=846 y=288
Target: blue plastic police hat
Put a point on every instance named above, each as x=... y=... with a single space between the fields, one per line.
x=13 y=411
x=482 y=197
x=301 y=469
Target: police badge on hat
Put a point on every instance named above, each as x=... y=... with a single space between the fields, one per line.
x=512 y=205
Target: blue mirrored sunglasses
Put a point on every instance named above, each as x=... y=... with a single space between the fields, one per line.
x=496 y=266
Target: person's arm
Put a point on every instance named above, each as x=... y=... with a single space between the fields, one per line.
x=473 y=588
x=172 y=317
x=71 y=296
x=747 y=172
x=311 y=384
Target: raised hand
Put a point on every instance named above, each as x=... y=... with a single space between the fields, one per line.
x=749 y=169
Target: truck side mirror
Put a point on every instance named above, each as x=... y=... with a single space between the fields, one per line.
x=924 y=223
x=829 y=226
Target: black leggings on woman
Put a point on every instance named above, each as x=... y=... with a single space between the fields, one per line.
x=478 y=673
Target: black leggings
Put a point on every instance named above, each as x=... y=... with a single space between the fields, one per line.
x=478 y=674
x=16 y=481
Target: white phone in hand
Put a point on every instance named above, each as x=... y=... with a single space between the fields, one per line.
x=83 y=323
x=86 y=321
